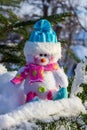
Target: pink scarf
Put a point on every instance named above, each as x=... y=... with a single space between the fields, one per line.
x=35 y=73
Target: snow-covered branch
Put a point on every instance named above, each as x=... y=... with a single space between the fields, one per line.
x=80 y=77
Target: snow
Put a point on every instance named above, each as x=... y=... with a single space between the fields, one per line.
x=80 y=51
x=10 y=96
x=81 y=35
x=80 y=8
x=13 y=110
x=2 y=69
x=80 y=77
x=27 y=9
x=42 y=110
x=81 y=3
x=82 y=16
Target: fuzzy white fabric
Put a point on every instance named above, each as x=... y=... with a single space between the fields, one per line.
x=37 y=48
x=61 y=78
x=52 y=81
x=42 y=110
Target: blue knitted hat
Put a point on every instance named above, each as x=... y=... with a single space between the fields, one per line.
x=42 y=40
x=43 y=32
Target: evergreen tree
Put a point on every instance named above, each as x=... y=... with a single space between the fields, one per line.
x=10 y=23
x=9 y=54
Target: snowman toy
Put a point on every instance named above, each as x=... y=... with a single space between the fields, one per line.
x=42 y=76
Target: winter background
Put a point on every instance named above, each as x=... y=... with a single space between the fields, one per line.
x=72 y=31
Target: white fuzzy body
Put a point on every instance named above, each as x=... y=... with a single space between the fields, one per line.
x=53 y=80
x=48 y=83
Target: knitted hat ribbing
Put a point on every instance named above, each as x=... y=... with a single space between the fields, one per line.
x=42 y=40
x=43 y=32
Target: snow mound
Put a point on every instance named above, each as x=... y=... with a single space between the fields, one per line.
x=42 y=110
x=13 y=112
x=10 y=96
x=2 y=69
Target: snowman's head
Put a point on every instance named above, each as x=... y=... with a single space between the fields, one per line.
x=42 y=54
x=42 y=47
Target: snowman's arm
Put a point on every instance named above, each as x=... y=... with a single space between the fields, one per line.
x=61 y=78
x=20 y=76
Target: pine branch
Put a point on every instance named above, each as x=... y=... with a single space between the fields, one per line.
x=3 y=20
x=73 y=55
x=53 y=19
x=6 y=47
x=14 y=3
x=14 y=24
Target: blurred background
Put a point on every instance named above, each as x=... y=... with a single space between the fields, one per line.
x=68 y=18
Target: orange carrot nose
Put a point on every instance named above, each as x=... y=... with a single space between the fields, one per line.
x=43 y=60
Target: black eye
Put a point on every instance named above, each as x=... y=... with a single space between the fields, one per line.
x=45 y=54
x=41 y=54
